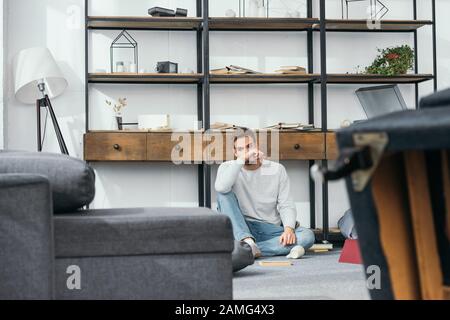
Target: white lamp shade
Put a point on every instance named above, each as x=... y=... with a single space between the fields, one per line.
x=32 y=67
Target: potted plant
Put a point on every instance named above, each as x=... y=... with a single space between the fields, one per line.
x=117 y=108
x=392 y=61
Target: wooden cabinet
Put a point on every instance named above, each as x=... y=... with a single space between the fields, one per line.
x=189 y=147
x=143 y=146
x=114 y=146
x=301 y=146
x=331 y=145
x=178 y=147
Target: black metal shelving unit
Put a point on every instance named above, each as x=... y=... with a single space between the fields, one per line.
x=255 y=25
x=326 y=79
x=203 y=26
x=189 y=24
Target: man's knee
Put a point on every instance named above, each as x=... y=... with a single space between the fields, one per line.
x=307 y=237
x=225 y=198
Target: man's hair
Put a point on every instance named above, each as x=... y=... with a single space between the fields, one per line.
x=244 y=132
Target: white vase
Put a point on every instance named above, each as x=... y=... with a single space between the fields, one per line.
x=133 y=68
x=118 y=118
x=230 y=13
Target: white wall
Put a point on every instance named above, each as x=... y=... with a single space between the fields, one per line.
x=2 y=46
x=122 y=185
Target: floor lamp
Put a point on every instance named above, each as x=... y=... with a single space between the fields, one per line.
x=37 y=79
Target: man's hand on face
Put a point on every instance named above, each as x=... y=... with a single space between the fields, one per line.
x=288 y=237
x=255 y=156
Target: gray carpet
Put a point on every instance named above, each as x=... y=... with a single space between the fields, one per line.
x=315 y=276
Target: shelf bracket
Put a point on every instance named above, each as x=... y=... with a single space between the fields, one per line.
x=376 y=142
x=359 y=162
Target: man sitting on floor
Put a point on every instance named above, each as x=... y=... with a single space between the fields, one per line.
x=255 y=193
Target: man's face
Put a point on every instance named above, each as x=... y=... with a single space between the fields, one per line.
x=245 y=148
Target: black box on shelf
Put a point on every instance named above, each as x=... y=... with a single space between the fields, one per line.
x=167 y=67
x=161 y=12
x=164 y=12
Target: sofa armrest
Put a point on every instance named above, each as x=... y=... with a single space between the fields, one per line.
x=26 y=237
x=72 y=180
x=436 y=100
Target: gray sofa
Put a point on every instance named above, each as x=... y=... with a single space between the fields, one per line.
x=52 y=249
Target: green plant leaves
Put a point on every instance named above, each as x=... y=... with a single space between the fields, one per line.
x=392 y=61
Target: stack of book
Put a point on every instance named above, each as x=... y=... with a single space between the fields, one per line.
x=223 y=126
x=321 y=247
x=291 y=70
x=233 y=70
x=291 y=126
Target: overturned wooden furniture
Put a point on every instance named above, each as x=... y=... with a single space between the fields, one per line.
x=397 y=170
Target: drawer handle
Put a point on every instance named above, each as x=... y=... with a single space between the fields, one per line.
x=297 y=147
x=116 y=147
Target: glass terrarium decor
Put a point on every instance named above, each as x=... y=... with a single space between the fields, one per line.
x=254 y=8
x=273 y=8
x=124 y=41
x=375 y=8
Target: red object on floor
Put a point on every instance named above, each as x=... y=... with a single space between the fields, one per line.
x=350 y=252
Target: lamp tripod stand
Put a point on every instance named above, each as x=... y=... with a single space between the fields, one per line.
x=46 y=103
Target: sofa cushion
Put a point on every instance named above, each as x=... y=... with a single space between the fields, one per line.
x=436 y=100
x=72 y=180
x=124 y=232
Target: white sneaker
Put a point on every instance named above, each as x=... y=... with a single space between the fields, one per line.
x=296 y=252
x=255 y=250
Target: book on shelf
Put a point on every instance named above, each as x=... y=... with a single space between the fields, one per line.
x=292 y=126
x=233 y=70
x=222 y=126
x=291 y=70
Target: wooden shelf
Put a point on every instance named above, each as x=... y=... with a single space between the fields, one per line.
x=264 y=78
x=381 y=79
x=143 y=23
x=163 y=78
x=332 y=78
x=247 y=24
x=262 y=24
x=332 y=151
x=385 y=25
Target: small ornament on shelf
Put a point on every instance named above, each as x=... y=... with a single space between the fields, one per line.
x=117 y=108
x=288 y=9
x=124 y=41
x=375 y=8
x=256 y=8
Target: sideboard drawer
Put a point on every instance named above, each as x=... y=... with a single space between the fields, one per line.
x=176 y=147
x=290 y=146
x=301 y=146
x=107 y=146
x=332 y=148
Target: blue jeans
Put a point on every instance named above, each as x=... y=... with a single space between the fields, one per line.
x=266 y=235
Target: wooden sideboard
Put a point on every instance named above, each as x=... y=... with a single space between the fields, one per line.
x=331 y=146
x=196 y=146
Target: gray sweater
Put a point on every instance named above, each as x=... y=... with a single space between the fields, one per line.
x=263 y=194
